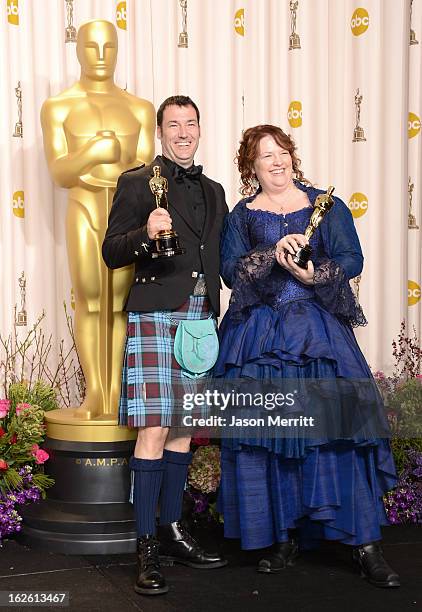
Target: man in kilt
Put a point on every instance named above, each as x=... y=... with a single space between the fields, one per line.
x=165 y=290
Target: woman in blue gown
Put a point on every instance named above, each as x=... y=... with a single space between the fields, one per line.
x=285 y=322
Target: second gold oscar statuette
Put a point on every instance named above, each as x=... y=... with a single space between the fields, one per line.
x=323 y=204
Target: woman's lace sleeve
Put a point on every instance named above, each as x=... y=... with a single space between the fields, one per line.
x=249 y=286
x=333 y=292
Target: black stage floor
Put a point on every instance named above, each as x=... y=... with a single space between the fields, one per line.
x=320 y=581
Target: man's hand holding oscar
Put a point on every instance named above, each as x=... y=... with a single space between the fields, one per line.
x=158 y=221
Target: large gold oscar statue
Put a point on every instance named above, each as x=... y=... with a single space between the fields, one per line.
x=93 y=132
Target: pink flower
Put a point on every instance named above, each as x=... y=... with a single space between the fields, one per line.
x=41 y=456
x=21 y=407
x=2 y=432
x=13 y=439
x=4 y=407
x=3 y=464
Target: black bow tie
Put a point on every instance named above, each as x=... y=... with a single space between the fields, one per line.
x=193 y=173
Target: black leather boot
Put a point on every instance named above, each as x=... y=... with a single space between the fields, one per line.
x=178 y=546
x=282 y=555
x=150 y=580
x=374 y=567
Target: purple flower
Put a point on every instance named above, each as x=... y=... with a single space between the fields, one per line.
x=404 y=503
x=10 y=519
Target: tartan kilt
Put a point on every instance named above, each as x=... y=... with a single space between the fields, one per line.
x=153 y=384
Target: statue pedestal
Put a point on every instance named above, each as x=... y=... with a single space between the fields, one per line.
x=87 y=510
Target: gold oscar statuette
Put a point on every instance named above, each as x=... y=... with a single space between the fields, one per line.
x=93 y=131
x=411 y=219
x=412 y=35
x=323 y=204
x=21 y=318
x=294 y=39
x=70 y=33
x=358 y=133
x=166 y=241
x=18 y=133
x=183 y=36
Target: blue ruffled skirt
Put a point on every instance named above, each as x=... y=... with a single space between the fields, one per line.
x=330 y=489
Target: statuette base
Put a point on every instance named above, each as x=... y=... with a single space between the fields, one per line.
x=294 y=42
x=18 y=133
x=412 y=39
x=21 y=318
x=302 y=256
x=167 y=245
x=183 y=40
x=358 y=135
x=411 y=222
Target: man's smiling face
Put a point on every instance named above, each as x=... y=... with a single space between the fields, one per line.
x=179 y=134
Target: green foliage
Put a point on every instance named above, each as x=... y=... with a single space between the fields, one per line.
x=43 y=482
x=400 y=448
x=406 y=404
x=39 y=394
x=10 y=480
x=212 y=507
x=22 y=430
x=402 y=394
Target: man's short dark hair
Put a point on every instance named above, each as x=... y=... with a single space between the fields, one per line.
x=175 y=101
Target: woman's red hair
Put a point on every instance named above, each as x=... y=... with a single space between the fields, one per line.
x=248 y=152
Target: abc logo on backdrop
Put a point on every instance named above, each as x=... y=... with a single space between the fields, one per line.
x=239 y=21
x=13 y=12
x=121 y=15
x=294 y=114
x=19 y=204
x=413 y=125
x=413 y=293
x=358 y=204
x=359 y=22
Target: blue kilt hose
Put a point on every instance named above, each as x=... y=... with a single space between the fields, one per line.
x=153 y=382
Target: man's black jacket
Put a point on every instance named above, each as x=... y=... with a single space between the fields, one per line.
x=164 y=283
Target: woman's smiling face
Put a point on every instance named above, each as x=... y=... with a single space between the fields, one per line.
x=273 y=165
